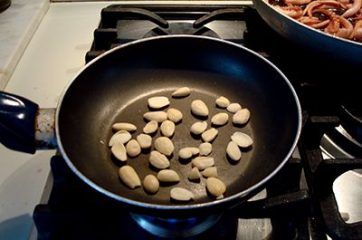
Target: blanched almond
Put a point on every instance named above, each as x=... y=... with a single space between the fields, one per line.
x=151 y=184
x=187 y=152
x=233 y=107
x=209 y=135
x=167 y=128
x=203 y=162
x=205 y=149
x=220 y=119
x=174 y=115
x=150 y=127
x=233 y=151
x=121 y=136
x=164 y=145
x=194 y=174
x=158 y=102
x=129 y=176
x=241 y=139
x=133 y=148
x=220 y=197
x=198 y=127
x=181 y=92
x=209 y=172
x=158 y=116
x=194 y=150
x=168 y=175
x=181 y=194
x=242 y=116
x=199 y=108
x=144 y=140
x=158 y=160
x=119 y=151
x=215 y=186
x=124 y=126
x=222 y=102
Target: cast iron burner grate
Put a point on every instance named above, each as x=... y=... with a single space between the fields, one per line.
x=303 y=207
x=75 y=211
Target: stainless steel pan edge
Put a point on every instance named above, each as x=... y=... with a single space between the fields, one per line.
x=339 y=49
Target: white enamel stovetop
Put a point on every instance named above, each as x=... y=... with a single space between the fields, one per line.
x=54 y=54
x=58 y=36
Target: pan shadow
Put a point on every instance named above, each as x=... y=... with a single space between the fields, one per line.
x=232 y=162
x=170 y=137
x=179 y=202
x=248 y=149
x=195 y=180
x=218 y=126
x=184 y=161
x=213 y=140
x=118 y=163
x=146 y=150
x=153 y=134
x=149 y=193
x=204 y=118
x=170 y=157
x=157 y=109
x=153 y=168
x=179 y=122
x=195 y=136
x=240 y=125
x=168 y=184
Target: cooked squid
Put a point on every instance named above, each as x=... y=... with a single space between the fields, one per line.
x=340 y=18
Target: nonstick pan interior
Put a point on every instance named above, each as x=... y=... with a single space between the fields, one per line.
x=116 y=88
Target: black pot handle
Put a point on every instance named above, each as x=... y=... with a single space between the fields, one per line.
x=17 y=122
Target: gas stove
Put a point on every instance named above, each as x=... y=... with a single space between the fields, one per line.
x=306 y=200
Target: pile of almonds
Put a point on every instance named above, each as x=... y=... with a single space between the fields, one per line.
x=203 y=164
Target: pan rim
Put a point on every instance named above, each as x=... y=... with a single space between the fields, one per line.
x=329 y=36
x=191 y=206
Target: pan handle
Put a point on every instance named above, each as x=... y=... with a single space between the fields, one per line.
x=22 y=124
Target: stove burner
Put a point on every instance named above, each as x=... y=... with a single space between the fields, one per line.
x=181 y=28
x=173 y=227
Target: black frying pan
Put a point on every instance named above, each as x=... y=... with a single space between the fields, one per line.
x=115 y=87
